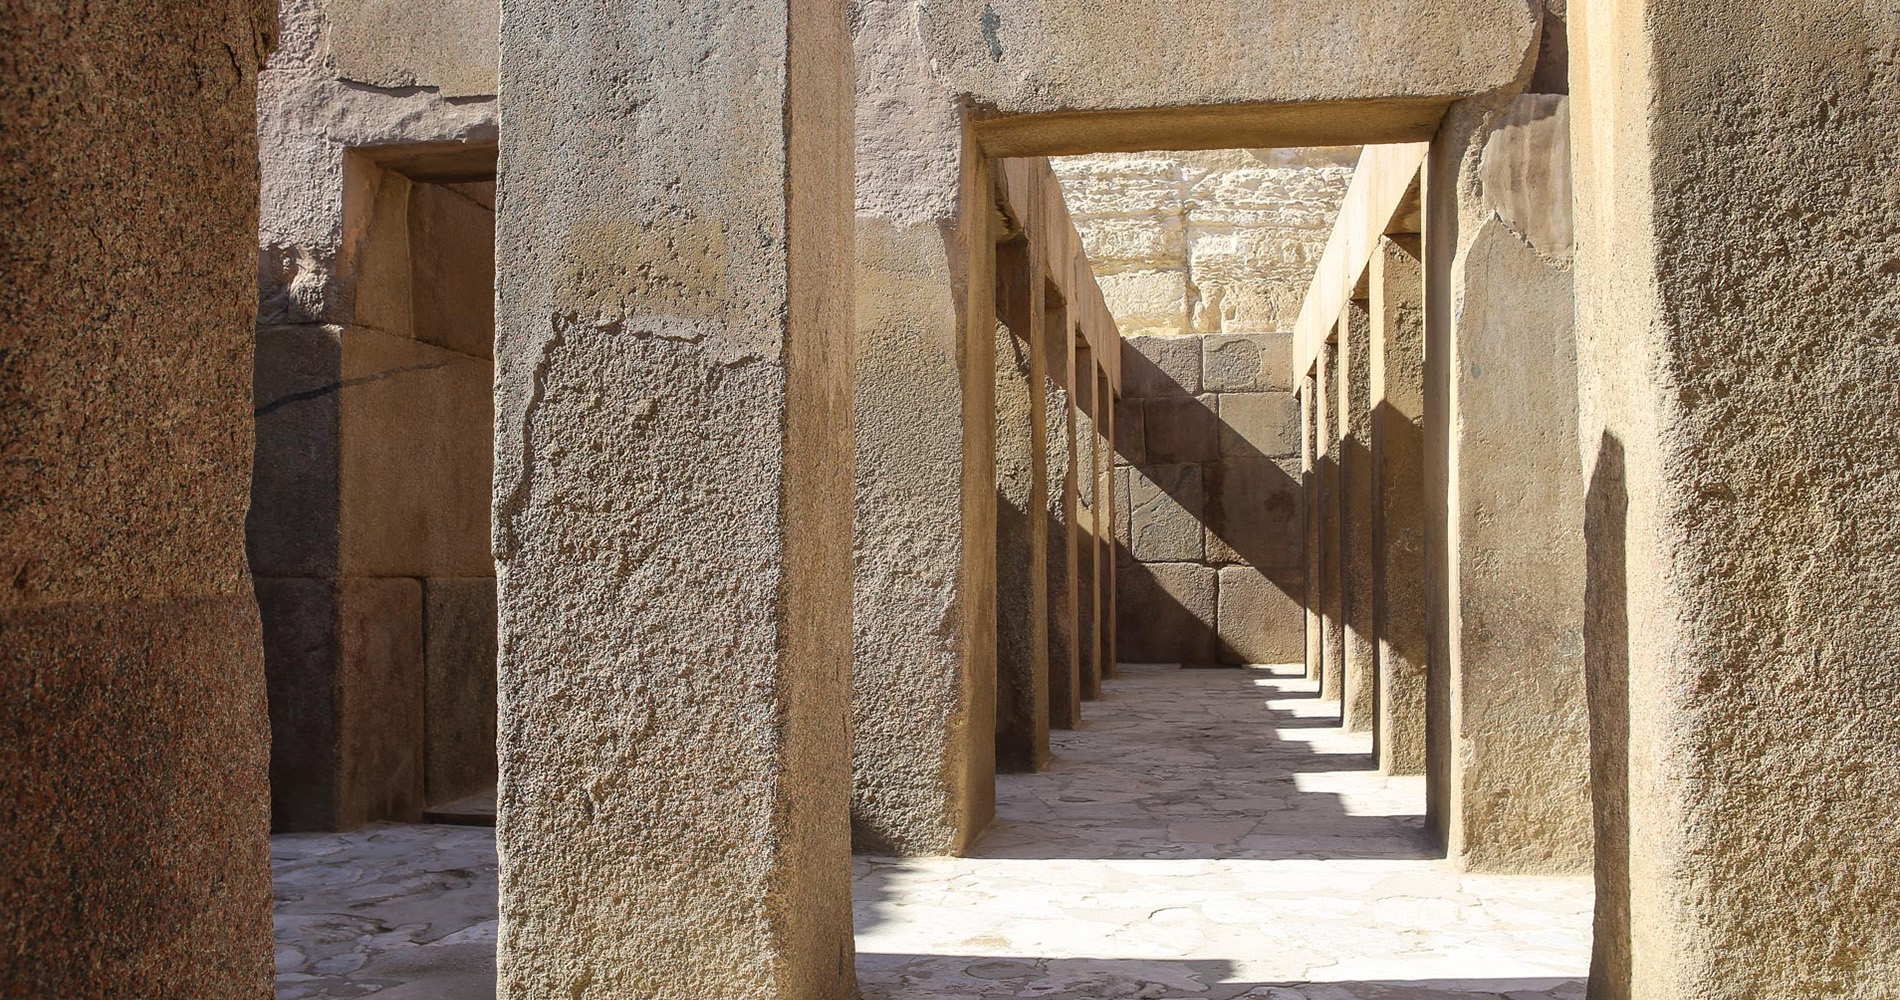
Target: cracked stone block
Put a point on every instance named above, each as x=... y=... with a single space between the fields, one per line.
x=1166 y=613
x=1166 y=504
x=1161 y=366
x=1259 y=425
x=1181 y=429
x=1255 y=513
x=1261 y=620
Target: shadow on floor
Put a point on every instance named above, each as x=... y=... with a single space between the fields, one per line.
x=912 y=977
x=1235 y=764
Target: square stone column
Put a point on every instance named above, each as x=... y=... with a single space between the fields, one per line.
x=672 y=514
x=1088 y=481
x=1326 y=499
x=1309 y=485
x=1022 y=622
x=1105 y=518
x=134 y=765
x=1398 y=549
x=1065 y=676
x=1737 y=308
x=1510 y=767
x=1360 y=668
x=924 y=612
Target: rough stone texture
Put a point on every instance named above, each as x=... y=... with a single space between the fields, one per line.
x=1736 y=315
x=1087 y=588
x=1181 y=429
x=1510 y=743
x=447 y=46
x=134 y=766
x=1168 y=611
x=1022 y=621
x=1326 y=499
x=1130 y=433
x=458 y=654
x=1254 y=514
x=1065 y=683
x=1359 y=693
x=1255 y=425
x=672 y=501
x=1284 y=869
x=1108 y=523
x=1313 y=578
x=1160 y=366
x=1260 y=619
x=1398 y=564
x=373 y=385
x=1217 y=242
x=1167 y=506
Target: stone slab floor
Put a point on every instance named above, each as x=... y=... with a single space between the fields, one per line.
x=1208 y=834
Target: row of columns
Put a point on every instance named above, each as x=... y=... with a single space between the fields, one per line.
x=1447 y=613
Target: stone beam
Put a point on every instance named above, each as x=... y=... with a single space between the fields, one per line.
x=672 y=512
x=1383 y=185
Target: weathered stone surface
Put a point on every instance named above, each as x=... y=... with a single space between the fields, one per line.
x=1207 y=242
x=134 y=766
x=1168 y=613
x=1325 y=498
x=1261 y=621
x=1244 y=362
x=1256 y=425
x=674 y=676
x=1509 y=740
x=1255 y=513
x=1065 y=685
x=1130 y=433
x=1399 y=584
x=1160 y=366
x=379 y=688
x=1361 y=677
x=1022 y=624
x=1313 y=578
x=449 y=46
x=1734 y=163
x=1181 y=429
x=1167 y=507
x=458 y=655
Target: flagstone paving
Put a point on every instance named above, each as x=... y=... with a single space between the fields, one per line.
x=1207 y=834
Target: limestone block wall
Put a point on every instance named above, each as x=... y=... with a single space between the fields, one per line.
x=1204 y=258
x=368 y=525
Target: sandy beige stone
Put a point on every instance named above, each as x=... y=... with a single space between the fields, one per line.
x=1735 y=336
x=1360 y=676
x=1399 y=583
x=675 y=777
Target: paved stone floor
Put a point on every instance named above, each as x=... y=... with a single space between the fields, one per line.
x=1206 y=834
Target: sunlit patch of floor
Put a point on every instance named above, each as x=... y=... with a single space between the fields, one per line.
x=1213 y=834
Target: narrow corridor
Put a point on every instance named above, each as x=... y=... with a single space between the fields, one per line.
x=1212 y=834
x=1207 y=834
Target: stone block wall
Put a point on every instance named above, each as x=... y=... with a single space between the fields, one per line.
x=1207 y=472
x=1204 y=258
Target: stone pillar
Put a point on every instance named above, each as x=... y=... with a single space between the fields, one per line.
x=135 y=762
x=1087 y=566
x=1736 y=314
x=1512 y=792
x=1360 y=657
x=924 y=610
x=672 y=511
x=1309 y=486
x=1105 y=520
x=1022 y=624
x=1065 y=678
x=1326 y=498
x=1398 y=501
